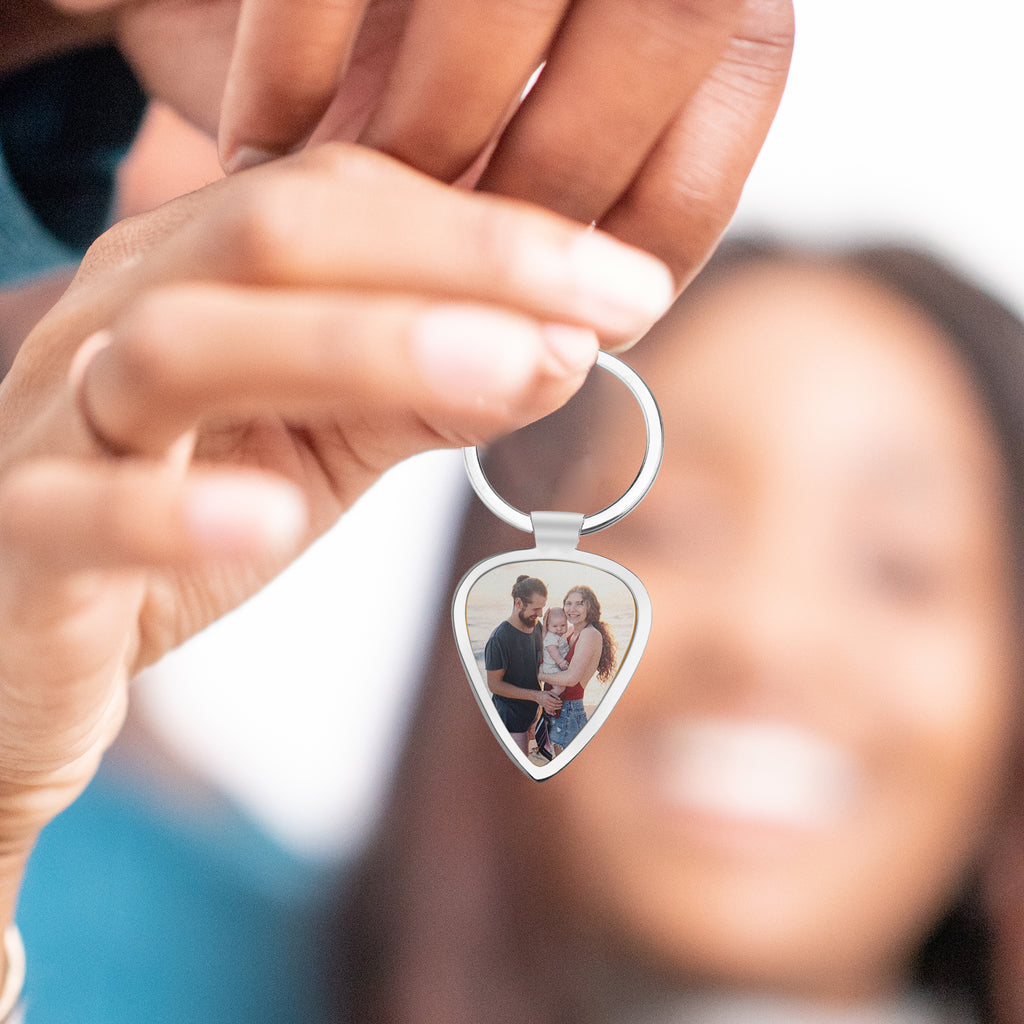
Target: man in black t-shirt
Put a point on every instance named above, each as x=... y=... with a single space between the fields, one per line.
x=512 y=657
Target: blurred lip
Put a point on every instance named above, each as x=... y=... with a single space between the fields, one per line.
x=756 y=773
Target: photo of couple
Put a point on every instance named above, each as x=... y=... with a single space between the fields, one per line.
x=550 y=659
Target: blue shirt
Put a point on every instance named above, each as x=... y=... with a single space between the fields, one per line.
x=137 y=910
x=64 y=125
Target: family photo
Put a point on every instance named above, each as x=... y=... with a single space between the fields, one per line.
x=266 y=267
x=549 y=638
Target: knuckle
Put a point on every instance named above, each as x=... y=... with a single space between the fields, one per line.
x=757 y=66
x=271 y=231
x=665 y=24
x=772 y=25
x=341 y=160
x=348 y=178
x=144 y=368
x=145 y=347
x=259 y=228
x=117 y=248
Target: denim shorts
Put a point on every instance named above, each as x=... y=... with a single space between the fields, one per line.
x=566 y=727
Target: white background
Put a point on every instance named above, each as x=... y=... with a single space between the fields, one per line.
x=902 y=118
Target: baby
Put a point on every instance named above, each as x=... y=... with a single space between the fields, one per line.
x=556 y=644
x=556 y=647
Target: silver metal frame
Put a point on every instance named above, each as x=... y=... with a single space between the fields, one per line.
x=612 y=513
x=556 y=535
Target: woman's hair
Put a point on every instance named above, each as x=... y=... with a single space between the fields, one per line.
x=606 y=666
x=526 y=586
x=956 y=959
x=439 y=921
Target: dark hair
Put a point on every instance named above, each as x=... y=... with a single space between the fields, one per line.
x=526 y=586
x=434 y=927
x=956 y=960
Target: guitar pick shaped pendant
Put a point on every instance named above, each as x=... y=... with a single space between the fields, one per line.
x=546 y=681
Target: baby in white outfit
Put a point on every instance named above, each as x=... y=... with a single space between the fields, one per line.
x=556 y=644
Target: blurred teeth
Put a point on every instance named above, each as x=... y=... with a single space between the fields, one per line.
x=762 y=773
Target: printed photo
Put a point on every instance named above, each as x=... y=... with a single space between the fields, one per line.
x=548 y=637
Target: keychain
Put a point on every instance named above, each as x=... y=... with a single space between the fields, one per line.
x=597 y=591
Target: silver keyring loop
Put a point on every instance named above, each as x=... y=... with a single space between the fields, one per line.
x=649 y=467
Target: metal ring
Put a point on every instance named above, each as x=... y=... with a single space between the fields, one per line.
x=634 y=493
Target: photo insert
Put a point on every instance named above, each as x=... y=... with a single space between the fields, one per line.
x=548 y=637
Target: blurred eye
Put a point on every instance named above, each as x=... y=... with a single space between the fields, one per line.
x=688 y=523
x=902 y=576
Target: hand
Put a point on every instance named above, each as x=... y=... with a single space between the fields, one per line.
x=646 y=119
x=259 y=352
x=549 y=702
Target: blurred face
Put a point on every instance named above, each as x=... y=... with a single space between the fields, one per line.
x=791 y=788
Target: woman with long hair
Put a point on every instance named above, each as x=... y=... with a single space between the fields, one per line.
x=787 y=816
x=591 y=653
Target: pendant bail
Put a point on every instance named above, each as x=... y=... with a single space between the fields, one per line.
x=556 y=532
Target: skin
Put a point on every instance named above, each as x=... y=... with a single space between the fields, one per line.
x=587 y=654
x=220 y=382
x=559 y=625
x=435 y=82
x=826 y=552
x=525 y=614
x=206 y=399
x=555 y=621
x=524 y=617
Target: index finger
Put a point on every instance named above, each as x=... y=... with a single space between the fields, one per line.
x=287 y=62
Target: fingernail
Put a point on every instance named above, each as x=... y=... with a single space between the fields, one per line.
x=468 y=353
x=238 y=516
x=245 y=157
x=575 y=348
x=627 y=285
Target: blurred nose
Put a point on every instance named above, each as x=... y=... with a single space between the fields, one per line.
x=758 y=630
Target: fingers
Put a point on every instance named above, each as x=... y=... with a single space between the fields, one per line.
x=643 y=107
x=344 y=217
x=134 y=514
x=287 y=61
x=685 y=195
x=461 y=67
x=616 y=76
x=81 y=545
x=199 y=354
